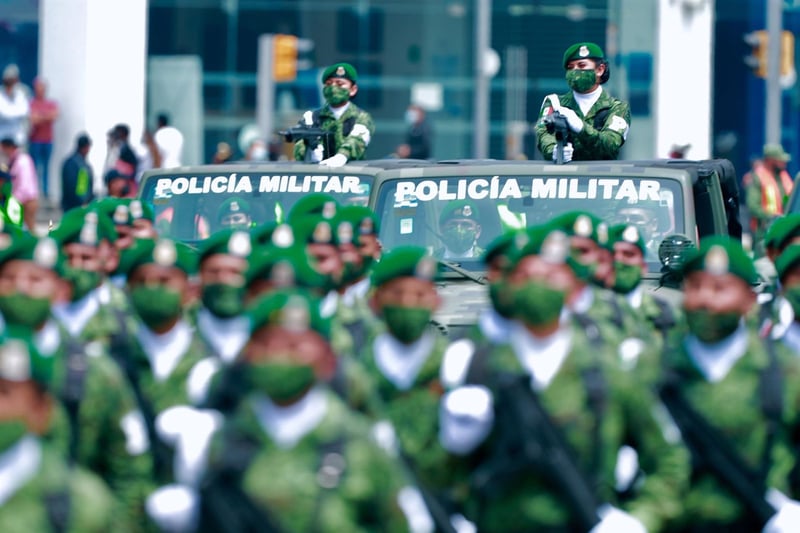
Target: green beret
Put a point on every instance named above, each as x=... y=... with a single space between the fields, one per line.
x=459 y=209
x=261 y=234
x=720 y=255
x=788 y=259
x=340 y=70
x=293 y=309
x=44 y=251
x=162 y=252
x=506 y=245
x=313 y=204
x=315 y=230
x=550 y=242
x=363 y=219
x=583 y=51
x=782 y=230
x=583 y=224
x=626 y=233
x=285 y=267
x=21 y=361
x=232 y=206
x=84 y=226
x=404 y=262
x=124 y=211
x=230 y=241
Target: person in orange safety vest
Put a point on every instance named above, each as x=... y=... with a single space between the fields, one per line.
x=767 y=187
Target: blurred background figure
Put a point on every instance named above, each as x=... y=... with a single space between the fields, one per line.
x=223 y=153
x=257 y=151
x=43 y=113
x=120 y=153
x=118 y=185
x=25 y=184
x=14 y=107
x=767 y=188
x=77 y=176
x=169 y=141
x=418 y=136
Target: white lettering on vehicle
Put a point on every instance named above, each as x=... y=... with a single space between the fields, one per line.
x=166 y=187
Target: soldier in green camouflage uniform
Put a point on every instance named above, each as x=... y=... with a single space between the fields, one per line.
x=459 y=226
x=597 y=121
x=352 y=127
x=109 y=438
x=596 y=416
x=40 y=491
x=721 y=371
x=132 y=219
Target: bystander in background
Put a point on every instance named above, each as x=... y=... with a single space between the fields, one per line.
x=43 y=113
x=77 y=176
x=14 y=107
x=418 y=141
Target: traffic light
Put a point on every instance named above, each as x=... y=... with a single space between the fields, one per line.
x=284 y=57
x=757 y=60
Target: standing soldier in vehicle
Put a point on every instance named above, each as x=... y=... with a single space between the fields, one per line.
x=733 y=398
x=767 y=188
x=597 y=124
x=351 y=126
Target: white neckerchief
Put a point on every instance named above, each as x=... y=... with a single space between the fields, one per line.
x=792 y=338
x=785 y=316
x=164 y=350
x=286 y=425
x=586 y=101
x=495 y=326
x=119 y=280
x=75 y=315
x=635 y=297
x=18 y=465
x=227 y=336
x=469 y=254
x=400 y=363
x=584 y=301
x=541 y=358
x=355 y=292
x=339 y=111
x=329 y=304
x=48 y=339
x=716 y=360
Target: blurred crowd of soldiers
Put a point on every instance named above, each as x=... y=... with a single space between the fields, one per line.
x=290 y=378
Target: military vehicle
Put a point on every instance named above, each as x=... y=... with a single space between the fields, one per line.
x=674 y=203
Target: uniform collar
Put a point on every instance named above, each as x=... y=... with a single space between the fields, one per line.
x=400 y=363
x=339 y=111
x=791 y=337
x=584 y=301
x=165 y=350
x=75 y=315
x=355 y=292
x=226 y=336
x=18 y=465
x=469 y=254
x=48 y=339
x=634 y=298
x=541 y=357
x=715 y=360
x=586 y=101
x=494 y=326
x=286 y=425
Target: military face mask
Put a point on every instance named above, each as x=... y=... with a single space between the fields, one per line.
x=459 y=239
x=11 y=431
x=223 y=300
x=82 y=281
x=538 y=303
x=281 y=381
x=406 y=324
x=335 y=95
x=21 y=309
x=502 y=297
x=157 y=305
x=626 y=277
x=581 y=80
x=712 y=327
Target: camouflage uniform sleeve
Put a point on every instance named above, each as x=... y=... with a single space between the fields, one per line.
x=299 y=150
x=92 y=507
x=354 y=146
x=753 y=197
x=604 y=143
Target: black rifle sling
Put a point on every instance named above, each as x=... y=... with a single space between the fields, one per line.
x=665 y=319
x=600 y=118
x=771 y=400
x=57 y=504
x=73 y=391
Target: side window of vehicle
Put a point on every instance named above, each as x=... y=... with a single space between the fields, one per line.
x=709 y=209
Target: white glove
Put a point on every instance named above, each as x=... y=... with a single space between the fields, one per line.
x=466 y=417
x=574 y=121
x=617 y=521
x=316 y=153
x=174 y=508
x=337 y=160
x=568 y=151
x=787 y=519
x=308 y=118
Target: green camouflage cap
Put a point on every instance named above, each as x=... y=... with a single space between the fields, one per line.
x=84 y=226
x=20 y=361
x=459 y=209
x=285 y=267
x=404 y=262
x=293 y=309
x=340 y=70
x=164 y=252
x=233 y=242
x=626 y=233
x=782 y=231
x=316 y=203
x=44 y=251
x=788 y=259
x=720 y=255
x=583 y=51
x=775 y=151
x=232 y=206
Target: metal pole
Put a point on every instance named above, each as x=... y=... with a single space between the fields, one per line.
x=772 y=119
x=483 y=28
x=265 y=87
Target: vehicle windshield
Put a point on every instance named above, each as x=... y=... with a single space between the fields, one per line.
x=457 y=217
x=190 y=207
